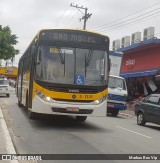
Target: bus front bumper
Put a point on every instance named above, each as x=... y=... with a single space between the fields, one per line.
x=68 y=108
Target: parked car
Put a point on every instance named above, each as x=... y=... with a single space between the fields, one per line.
x=148 y=110
x=4 y=87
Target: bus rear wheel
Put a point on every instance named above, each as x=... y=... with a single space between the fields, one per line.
x=81 y=118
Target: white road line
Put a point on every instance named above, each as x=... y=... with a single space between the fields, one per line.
x=134 y=132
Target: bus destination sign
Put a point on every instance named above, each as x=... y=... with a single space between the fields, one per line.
x=73 y=37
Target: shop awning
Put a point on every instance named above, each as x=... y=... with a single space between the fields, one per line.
x=139 y=73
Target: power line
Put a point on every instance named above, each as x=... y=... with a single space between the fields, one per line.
x=69 y=21
x=96 y=28
x=132 y=22
x=65 y=13
x=86 y=15
x=69 y=13
x=62 y=15
x=114 y=25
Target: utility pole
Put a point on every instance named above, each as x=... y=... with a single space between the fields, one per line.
x=86 y=15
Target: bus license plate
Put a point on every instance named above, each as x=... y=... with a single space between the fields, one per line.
x=110 y=105
x=74 y=109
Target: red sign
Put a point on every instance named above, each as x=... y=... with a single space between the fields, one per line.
x=141 y=60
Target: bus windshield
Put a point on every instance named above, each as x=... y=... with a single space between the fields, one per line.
x=64 y=65
x=115 y=82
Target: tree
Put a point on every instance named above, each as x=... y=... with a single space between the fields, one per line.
x=7 y=42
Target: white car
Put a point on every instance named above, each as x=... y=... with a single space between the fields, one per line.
x=4 y=87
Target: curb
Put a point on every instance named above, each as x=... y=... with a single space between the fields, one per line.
x=8 y=140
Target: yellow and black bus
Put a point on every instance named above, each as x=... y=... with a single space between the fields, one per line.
x=65 y=72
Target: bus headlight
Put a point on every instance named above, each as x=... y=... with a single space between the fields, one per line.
x=100 y=100
x=48 y=99
x=97 y=102
x=43 y=97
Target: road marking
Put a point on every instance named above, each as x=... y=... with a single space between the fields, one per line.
x=134 y=132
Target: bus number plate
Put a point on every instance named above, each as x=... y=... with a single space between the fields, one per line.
x=110 y=105
x=74 y=109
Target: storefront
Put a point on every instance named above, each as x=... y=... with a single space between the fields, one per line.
x=140 y=65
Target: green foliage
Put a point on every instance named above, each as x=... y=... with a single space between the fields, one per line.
x=7 y=42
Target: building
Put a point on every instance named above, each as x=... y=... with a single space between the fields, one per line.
x=140 y=65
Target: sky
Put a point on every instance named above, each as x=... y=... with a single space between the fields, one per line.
x=114 y=18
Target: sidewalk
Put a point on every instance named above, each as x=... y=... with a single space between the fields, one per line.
x=6 y=145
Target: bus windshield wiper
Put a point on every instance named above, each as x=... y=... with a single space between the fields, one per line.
x=88 y=57
x=61 y=55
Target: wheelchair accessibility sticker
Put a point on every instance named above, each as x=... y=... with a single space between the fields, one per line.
x=79 y=79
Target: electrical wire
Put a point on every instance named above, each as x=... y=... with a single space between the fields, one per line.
x=132 y=22
x=63 y=14
x=96 y=28
x=67 y=17
x=114 y=25
x=69 y=21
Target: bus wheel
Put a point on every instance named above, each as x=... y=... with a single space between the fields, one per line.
x=115 y=113
x=81 y=118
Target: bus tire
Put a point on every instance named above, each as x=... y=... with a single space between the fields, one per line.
x=115 y=113
x=81 y=118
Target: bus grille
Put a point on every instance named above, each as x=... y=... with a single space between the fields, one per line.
x=71 y=89
x=63 y=110
x=70 y=100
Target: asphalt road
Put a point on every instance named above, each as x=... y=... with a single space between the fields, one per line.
x=64 y=135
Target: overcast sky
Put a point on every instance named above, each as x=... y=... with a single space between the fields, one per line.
x=115 y=18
